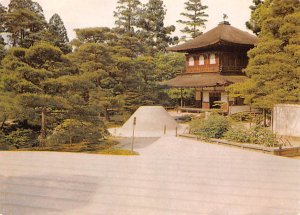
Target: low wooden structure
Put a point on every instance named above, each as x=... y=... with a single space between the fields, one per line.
x=214 y=60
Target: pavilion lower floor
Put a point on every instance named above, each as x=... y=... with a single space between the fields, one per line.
x=210 y=90
x=217 y=98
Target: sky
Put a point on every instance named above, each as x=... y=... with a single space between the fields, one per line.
x=99 y=13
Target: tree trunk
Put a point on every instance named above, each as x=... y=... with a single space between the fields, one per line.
x=265 y=117
x=3 y=122
x=43 y=130
x=70 y=137
x=107 y=117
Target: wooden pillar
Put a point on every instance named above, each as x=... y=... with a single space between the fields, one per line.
x=43 y=131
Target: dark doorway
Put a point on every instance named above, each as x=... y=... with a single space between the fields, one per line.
x=199 y=99
x=214 y=97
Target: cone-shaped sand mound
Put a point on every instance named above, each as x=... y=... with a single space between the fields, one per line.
x=151 y=121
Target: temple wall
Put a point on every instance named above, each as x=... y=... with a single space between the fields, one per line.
x=286 y=120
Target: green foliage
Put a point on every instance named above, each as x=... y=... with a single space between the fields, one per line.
x=152 y=31
x=59 y=33
x=188 y=95
x=73 y=131
x=255 y=135
x=254 y=23
x=25 y=21
x=242 y=116
x=57 y=27
x=214 y=127
x=3 y=17
x=19 y=139
x=274 y=63
x=66 y=95
x=168 y=65
x=195 y=18
x=126 y=15
x=238 y=134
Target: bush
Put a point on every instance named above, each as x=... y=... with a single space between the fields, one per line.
x=18 y=139
x=255 y=135
x=214 y=127
x=243 y=116
x=241 y=135
x=75 y=131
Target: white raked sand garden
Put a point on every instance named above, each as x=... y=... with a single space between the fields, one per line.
x=173 y=176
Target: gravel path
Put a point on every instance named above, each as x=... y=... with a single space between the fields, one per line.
x=172 y=176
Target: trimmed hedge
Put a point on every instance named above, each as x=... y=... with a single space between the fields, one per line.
x=255 y=135
x=214 y=127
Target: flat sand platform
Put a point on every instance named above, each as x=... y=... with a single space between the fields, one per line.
x=172 y=176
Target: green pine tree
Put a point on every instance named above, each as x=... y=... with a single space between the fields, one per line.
x=153 y=32
x=126 y=15
x=58 y=35
x=253 y=24
x=274 y=63
x=195 y=18
x=25 y=21
x=57 y=27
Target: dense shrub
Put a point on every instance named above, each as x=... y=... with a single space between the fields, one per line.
x=243 y=116
x=214 y=127
x=75 y=131
x=18 y=139
x=255 y=135
x=239 y=134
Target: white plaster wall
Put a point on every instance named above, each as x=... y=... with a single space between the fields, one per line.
x=286 y=120
x=205 y=96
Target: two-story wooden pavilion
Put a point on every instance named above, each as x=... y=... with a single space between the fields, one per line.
x=214 y=60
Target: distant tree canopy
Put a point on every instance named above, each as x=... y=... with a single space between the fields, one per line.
x=273 y=70
x=24 y=24
x=126 y=15
x=195 y=18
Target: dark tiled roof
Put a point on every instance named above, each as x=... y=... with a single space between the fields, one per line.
x=203 y=80
x=222 y=33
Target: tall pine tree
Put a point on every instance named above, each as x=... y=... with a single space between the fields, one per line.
x=25 y=21
x=195 y=18
x=57 y=27
x=126 y=15
x=274 y=63
x=59 y=35
x=153 y=32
